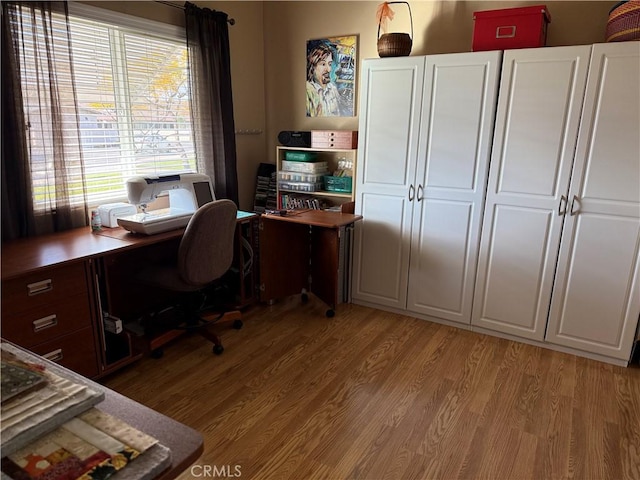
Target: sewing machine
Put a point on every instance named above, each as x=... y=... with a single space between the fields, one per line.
x=187 y=193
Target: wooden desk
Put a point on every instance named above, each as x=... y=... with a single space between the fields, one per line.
x=54 y=288
x=23 y=256
x=302 y=251
x=31 y=254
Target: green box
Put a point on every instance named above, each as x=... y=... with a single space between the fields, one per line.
x=300 y=156
x=338 y=184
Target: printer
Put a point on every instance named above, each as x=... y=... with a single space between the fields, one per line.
x=187 y=192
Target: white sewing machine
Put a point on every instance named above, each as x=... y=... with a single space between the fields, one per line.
x=187 y=193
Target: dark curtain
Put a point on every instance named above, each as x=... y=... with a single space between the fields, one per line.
x=212 y=100
x=17 y=204
x=46 y=136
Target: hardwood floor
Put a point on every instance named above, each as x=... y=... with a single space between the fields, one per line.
x=373 y=395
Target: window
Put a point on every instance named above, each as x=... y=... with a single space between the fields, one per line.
x=133 y=103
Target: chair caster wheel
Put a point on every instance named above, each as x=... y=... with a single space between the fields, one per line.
x=304 y=297
x=157 y=353
x=218 y=349
x=330 y=313
x=237 y=324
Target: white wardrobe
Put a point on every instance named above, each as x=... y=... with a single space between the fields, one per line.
x=536 y=130
x=423 y=153
x=546 y=246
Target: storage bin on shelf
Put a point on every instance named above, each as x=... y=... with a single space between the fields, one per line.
x=296 y=156
x=338 y=184
x=305 y=167
x=288 y=176
x=300 y=186
x=336 y=139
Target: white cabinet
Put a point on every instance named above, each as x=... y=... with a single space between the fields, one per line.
x=424 y=145
x=559 y=251
x=537 y=121
x=544 y=244
x=390 y=100
x=596 y=296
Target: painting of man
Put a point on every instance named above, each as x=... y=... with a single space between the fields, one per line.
x=331 y=76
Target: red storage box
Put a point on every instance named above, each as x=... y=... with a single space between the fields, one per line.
x=523 y=27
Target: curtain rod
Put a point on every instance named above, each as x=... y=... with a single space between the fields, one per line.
x=231 y=21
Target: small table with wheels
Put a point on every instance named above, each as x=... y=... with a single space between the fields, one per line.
x=306 y=251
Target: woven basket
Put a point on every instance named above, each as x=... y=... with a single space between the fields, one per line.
x=395 y=44
x=624 y=22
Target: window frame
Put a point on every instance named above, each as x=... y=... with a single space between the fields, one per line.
x=130 y=24
x=125 y=20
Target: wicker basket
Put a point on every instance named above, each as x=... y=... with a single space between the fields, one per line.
x=624 y=22
x=395 y=44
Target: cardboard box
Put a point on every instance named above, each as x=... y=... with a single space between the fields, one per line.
x=504 y=29
x=341 y=139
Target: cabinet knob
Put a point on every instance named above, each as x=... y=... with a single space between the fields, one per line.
x=412 y=192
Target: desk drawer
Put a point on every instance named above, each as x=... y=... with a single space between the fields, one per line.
x=75 y=351
x=40 y=288
x=42 y=324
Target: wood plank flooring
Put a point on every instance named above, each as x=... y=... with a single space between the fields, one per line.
x=374 y=395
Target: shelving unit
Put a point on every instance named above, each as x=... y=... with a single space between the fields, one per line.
x=329 y=155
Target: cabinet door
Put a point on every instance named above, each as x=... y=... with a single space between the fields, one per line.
x=390 y=102
x=455 y=143
x=539 y=106
x=284 y=258
x=596 y=299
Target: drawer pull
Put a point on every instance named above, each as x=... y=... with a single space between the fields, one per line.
x=40 y=287
x=45 y=322
x=54 y=356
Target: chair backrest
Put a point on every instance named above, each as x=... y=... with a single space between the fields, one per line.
x=206 y=248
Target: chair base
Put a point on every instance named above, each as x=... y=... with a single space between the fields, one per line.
x=156 y=342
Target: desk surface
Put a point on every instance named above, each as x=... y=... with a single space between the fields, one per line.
x=26 y=255
x=30 y=254
x=316 y=218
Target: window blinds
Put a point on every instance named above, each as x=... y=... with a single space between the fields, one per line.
x=133 y=104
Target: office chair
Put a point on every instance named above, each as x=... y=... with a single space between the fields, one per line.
x=205 y=254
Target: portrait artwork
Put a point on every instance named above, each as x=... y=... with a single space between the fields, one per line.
x=331 y=71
